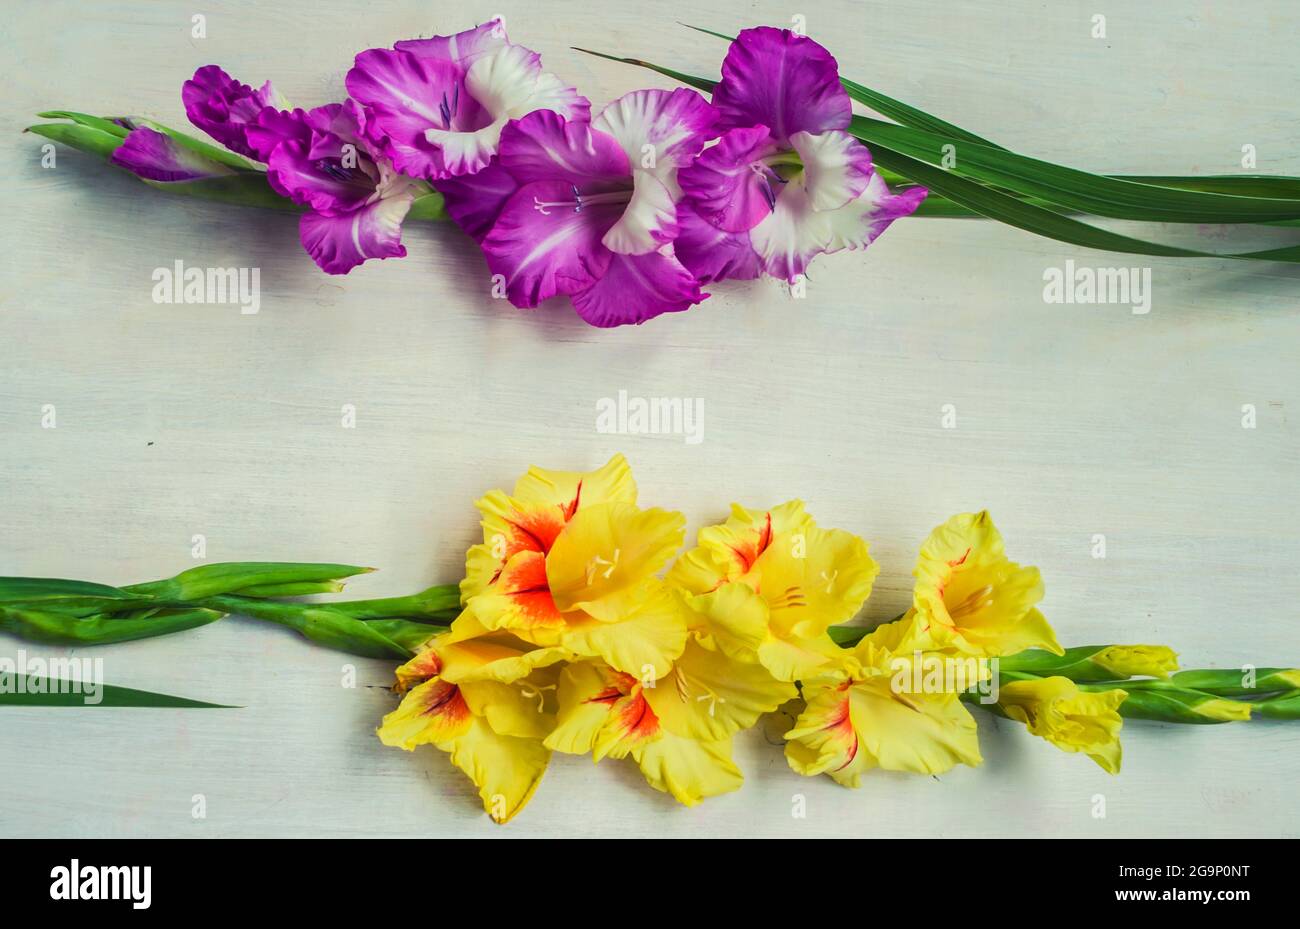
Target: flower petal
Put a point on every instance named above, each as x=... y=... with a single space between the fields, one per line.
x=795 y=233
x=813 y=578
x=475 y=201
x=461 y=48
x=660 y=131
x=733 y=617
x=648 y=221
x=687 y=769
x=339 y=243
x=157 y=157
x=823 y=740
x=224 y=108
x=787 y=82
x=544 y=250
x=644 y=645
x=517 y=710
x=728 y=185
x=610 y=483
x=972 y=597
x=519 y=601
x=544 y=146
x=711 y=254
x=924 y=733
x=605 y=560
x=433 y=712
x=407 y=95
x=837 y=167
x=506 y=769
x=635 y=288
x=587 y=693
x=709 y=696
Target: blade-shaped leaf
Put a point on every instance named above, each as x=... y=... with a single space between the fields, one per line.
x=27 y=690
x=1071 y=188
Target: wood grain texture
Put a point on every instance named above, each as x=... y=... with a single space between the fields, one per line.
x=1071 y=420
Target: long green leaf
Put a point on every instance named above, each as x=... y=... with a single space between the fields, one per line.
x=83 y=138
x=1015 y=212
x=85 y=119
x=1070 y=188
x=60 y=693
x=62 y=629
x=55 y=588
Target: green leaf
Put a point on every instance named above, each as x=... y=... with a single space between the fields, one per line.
x=83 y=138
x=232 y=576
x=99 y=629
x=319 y=623
x=1070 y=188
x=83 y=119
x=60 y=693
x=1014 y=212
x=53 y=588
x=699 y=83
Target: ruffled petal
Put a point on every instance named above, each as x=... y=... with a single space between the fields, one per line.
x=435 y=711
x=461 y=48
x=648 y=221
x=837 y=167
x=635 y=288
x=795 y=233
x=519 y=601
x=711 y=254
x=610 y=483
x=660 y=131
x=406 y=96
x=474 y=201
x=709 y=696
x=506 y=769
x=923 y=733
x=606 y=559
x=728 y=185
x=273 y=127
x=544 y=146
x=787 y=82
x=339 y=243
x=224 y=108
x=644 y=645
x=542 y=251
x=689 y=770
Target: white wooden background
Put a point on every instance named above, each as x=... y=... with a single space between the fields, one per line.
x=1071 y=420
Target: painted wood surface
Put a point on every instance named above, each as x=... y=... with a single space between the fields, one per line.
x=1072 y=421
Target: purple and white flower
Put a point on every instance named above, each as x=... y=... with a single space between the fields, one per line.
x=589 y=210
x=224 y=108
x=436 y=107
x=786 y=180
x=357 y=201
